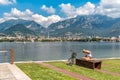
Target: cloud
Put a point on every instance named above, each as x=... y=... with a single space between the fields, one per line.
x=109 y=7
x=6 y=2
x=68 y=9
x=71 y=11
x=50 y=9
x=1 y=20
x=46 y=21
x=105 y=7
x=16 y=14
x=29 y=15
x=87 y=9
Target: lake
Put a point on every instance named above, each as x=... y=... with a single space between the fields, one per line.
x=42 y=51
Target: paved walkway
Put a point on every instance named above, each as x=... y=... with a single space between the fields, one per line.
x=11 y=72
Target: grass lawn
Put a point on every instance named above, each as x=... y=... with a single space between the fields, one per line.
x=38 y=72
x=86 y=71
x=112 y=65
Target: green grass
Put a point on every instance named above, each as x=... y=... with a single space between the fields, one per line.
x=112 y=65
x=38 y=72
x=85 y=71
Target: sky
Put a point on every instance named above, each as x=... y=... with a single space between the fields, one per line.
x=46 y=12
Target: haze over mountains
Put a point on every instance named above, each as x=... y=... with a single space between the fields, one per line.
x=86 y=25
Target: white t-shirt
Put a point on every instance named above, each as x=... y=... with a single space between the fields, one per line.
x=89 y=55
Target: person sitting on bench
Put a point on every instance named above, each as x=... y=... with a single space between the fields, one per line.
x=88 y=55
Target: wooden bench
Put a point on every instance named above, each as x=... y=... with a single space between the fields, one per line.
x=93 y=64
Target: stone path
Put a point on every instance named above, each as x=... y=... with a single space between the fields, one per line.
x=11 y=72
x=75 y=75
x=5 y=73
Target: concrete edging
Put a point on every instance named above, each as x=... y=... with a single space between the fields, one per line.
x=19 y=75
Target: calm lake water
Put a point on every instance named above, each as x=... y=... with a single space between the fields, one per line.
x=42 y=51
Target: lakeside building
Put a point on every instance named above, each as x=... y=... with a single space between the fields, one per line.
x=66 y=38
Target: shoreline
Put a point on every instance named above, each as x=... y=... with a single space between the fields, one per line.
x=63 y=60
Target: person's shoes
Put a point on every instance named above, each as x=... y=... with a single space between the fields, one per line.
x=69 y=64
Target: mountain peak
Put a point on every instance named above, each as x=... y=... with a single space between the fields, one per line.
x=32 y=24
x=19 y=29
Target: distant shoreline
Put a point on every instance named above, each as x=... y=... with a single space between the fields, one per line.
x=63 y=40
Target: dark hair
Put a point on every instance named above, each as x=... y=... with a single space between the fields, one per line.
x=74 y=54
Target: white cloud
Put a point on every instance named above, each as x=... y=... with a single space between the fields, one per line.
x=29 y=15
x=6 y=2
x=53 y=19
x=105 y=7
x=109 y=7
x=46 y=21
x=15 y=13
x=50 y=9
x=87 y=9
x=68 y=9
x=71 y=11
x=2 y=20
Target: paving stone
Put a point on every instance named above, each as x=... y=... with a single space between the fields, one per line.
x=11 y=72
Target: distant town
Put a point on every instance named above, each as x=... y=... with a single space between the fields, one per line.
x=19 y=38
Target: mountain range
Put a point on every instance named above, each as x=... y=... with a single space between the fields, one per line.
x=19 y=29
x=85 y=25
x=91 y=25
x=22 y=27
